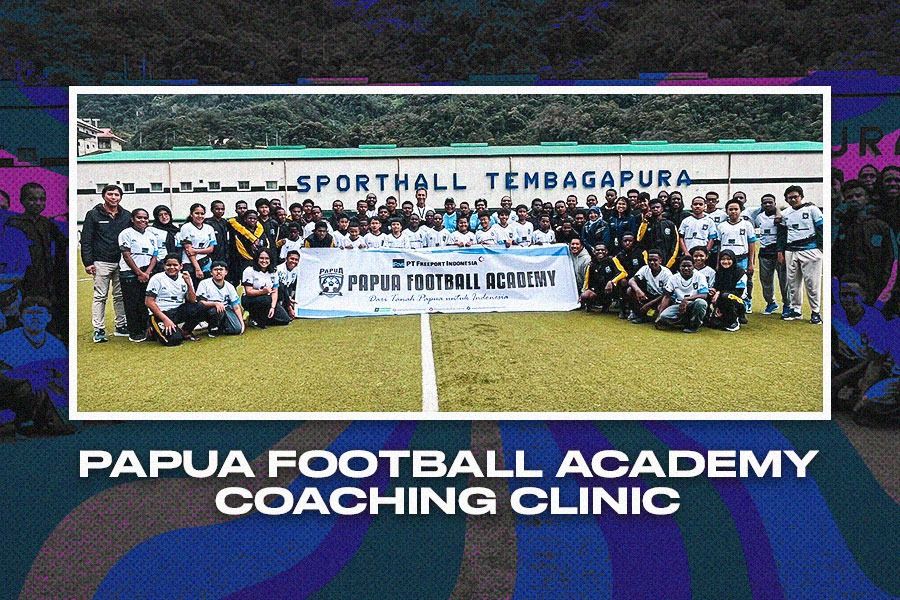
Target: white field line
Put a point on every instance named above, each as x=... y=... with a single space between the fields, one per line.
x=429 y=380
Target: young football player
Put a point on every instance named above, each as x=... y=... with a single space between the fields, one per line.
x=697 y=229
x=684 y=304
x=172 y=301
x=221 y=302
x=647 y=287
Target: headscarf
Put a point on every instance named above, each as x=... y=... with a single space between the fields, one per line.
x=727 y=279
x=171 y=229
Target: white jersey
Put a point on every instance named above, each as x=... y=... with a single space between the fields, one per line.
x=198 y=238
x=291 y=245
x=697 y=232
x=523 y=232
x=311 y=226
x=357 y=244
x=710 y=275
x=374 y=241
x=418 y=238
x=142 y=246
x=285 y=277
x=768 y=231
x=485 y=238
x=655 y=284
x=801 y=225
x=736 y=237
x=680 y=288
x=718 y=216
x=339 y=238
x=504 y=234
x=439 y=237
x=458 y=238
x=258 y=279
x=169 y=293
x=208 y=290
x=543 y=237
x=392 y=241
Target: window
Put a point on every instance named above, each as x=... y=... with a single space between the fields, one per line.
x=215 y=186
x=186 y=186
x=128 y=188
x=103 y=144
x=243 y=185
x=100 y=187
x=156 y=187
x=272 y=185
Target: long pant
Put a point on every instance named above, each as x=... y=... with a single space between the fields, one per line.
x=768 y=267
x=133 y=293
x=285 y=295
x=223 y=323
x=692 y=317
x=743 y=262
x=188 y=315
x=259 y=310
x=804 y=269
x=731 y=308
x=107 y=273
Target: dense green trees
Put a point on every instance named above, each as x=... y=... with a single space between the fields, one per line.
x=155 y=122
x=279 y=41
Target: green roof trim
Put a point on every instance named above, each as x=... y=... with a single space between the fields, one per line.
x=738 y=141
x=545 y=144
x=469 y=145
x=189 y=148
x=293 y=147
x=391 y=151
x=647 y=142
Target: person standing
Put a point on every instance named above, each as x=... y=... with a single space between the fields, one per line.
x=800 y=250
x=765 y=221
x=100 y=256
x=140 y=253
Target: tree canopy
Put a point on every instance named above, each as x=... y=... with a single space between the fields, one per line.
x=279 y=41
x=152 y=122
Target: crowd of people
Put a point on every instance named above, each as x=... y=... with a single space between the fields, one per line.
x=650 y=259
x=33 y=315
x=865 y=357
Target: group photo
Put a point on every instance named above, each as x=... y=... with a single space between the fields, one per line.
x=428 y=253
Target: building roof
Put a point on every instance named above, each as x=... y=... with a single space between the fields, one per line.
x=201 y=153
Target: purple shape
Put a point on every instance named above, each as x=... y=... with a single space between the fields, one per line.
x=647 y=552
x=344 y=539
x=761 y=569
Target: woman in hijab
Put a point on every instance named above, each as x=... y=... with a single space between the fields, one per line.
x=166 y=231
x=727 y=298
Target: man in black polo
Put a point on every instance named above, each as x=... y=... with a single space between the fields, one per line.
x=100 y=255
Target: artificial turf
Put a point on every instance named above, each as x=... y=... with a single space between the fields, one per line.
x=358 y=364
x=503 y=362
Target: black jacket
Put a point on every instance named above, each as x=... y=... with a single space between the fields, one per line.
x=100 y=235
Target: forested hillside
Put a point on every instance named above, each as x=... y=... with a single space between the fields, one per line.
x=161 y=121
x=279 y=41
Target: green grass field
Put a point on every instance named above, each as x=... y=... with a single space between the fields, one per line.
x=505 y=362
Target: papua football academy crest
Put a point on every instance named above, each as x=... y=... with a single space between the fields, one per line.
x=331 y=281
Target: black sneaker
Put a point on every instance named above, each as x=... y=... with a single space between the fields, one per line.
x=100 y=336
x=121 y=332
x=137 y=339
x=815 y=319
x=691 y=329
x=733 y=327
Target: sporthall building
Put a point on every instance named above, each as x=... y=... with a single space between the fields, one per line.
x=550 y=171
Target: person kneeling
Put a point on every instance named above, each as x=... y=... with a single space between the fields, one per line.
x=727 y=298
x=684 y=304
x=261 y=292
x=221 y=303
x=172 y=301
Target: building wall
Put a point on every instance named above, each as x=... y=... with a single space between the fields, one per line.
x=465 y=178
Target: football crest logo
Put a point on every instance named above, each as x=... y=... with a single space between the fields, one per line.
x=331 y=281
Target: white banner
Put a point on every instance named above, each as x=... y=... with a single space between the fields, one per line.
x=384 y=281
